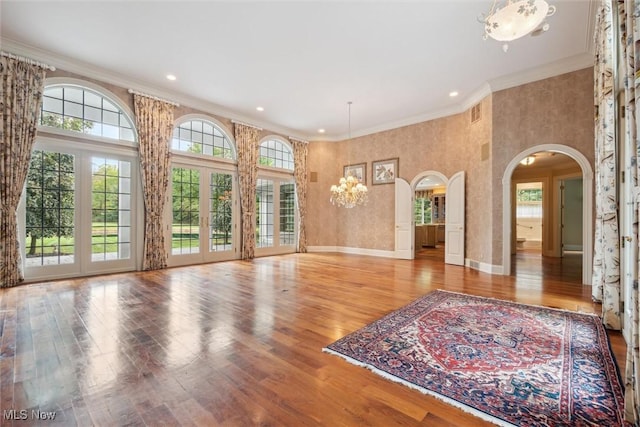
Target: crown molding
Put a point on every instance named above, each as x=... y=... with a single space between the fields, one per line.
x=64 y=63
x=574 y=63
x=567 y=65
x=563 y=66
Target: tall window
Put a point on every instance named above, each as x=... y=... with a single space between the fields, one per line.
x=275 y=199
x=204 y=205
x=77 y=213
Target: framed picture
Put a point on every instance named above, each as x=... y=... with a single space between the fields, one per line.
x=384 y=171
x=358 y=171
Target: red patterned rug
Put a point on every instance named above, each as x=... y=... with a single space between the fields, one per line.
x=508 y=363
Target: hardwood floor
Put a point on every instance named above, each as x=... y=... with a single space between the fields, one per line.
x=235 y=343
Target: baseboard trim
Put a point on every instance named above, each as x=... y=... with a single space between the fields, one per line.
x=484 y=267
x=355 y=251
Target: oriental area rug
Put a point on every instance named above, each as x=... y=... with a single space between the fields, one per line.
x=508 y=363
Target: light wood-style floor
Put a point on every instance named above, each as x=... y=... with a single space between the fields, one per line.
x=238 y=343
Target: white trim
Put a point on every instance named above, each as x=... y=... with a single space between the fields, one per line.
x=587 y=205
x=415 y=181
x=483 y=266
x=354 y=251
x=566 y=65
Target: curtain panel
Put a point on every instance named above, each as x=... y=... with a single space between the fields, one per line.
x=154 y=119
x=629 y=36
x=606 y=259
x=300 y=153
x=247 y=145
x=21 y=97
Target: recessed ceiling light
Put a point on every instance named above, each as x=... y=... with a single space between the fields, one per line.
x=171 y=77
x=321 y=130
x=260 y=108
x=452 y=94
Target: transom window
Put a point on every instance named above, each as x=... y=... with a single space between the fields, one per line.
x=83 y=110
x=202 y=137
x=276 y=154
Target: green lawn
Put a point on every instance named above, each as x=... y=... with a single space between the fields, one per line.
x=104 y=240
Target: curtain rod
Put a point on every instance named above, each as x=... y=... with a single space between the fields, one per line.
x=245 y=124
x=299 y=140
x=135 y=92
x=27 y=60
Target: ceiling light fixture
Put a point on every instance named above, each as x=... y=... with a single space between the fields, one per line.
x=171 y=77
x=509 y=20
x=453 y=94
x=260 y=108
x=349 y=192
x=321 y=131
x=528 y=160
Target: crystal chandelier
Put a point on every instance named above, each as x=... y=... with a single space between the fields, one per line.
x=349 y=192
x=509 y=20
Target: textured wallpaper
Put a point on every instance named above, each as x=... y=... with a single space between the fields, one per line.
x=557 y=110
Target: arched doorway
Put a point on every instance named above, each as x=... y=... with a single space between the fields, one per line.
x=429 y=189
x=509 y=239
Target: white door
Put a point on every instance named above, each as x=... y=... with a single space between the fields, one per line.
x=404 y=220
x=454 y=225
x=202 y=215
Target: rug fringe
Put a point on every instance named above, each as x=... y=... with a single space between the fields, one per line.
x=445 y=399
x=562 y=310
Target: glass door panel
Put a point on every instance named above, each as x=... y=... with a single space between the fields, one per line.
x=264 y=213
x=50 y=210
x=185 y=224
x=110 y=209
x=220 y=216
x=287 y=214
x=203 y=216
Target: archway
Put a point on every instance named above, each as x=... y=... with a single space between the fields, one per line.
x=430 y=188
x=587 y=206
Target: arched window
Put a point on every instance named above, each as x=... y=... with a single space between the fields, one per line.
x=80 y=109
x=202 y=137
x=204 y=209
x=80 y=211
x=276 y=154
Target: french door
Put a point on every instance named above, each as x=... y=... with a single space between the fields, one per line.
x=77 y=214
x=203 y=215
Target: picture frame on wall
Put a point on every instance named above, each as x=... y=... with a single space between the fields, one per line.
x=384 y=171
x=358 y=171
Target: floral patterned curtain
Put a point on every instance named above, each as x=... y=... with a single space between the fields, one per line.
x=247 y=144
x=154 y=119
x=21 y=97
x=300 y=152
x=629 y=36
x=606 y=258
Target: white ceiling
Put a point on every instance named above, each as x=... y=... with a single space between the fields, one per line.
x=300 y=60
